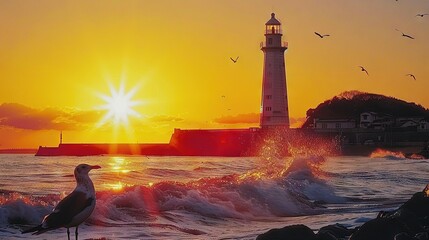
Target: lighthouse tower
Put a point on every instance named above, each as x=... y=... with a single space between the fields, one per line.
x=274 y=104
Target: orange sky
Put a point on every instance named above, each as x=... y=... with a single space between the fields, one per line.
x=58 y=57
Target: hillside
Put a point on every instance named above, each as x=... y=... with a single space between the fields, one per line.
x=351 y=104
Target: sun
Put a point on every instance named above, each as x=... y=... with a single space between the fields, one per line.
x=119 y=105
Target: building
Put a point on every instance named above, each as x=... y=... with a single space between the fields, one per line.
x=376 y=120
x=334 y=124
x=274 y=103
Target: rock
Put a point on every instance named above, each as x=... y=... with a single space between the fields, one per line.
x=336 y=230
x=380 y=229
x=417 y=205
x=422 y=236
x=292 y=232
x=403 y=236
x=326 y=236
x=409 y=222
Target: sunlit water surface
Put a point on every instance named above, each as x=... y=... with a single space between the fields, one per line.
x=140 y=197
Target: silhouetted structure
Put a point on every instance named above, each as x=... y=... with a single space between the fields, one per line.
x=274 y=107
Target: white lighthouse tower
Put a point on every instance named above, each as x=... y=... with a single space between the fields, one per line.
x=274 y=104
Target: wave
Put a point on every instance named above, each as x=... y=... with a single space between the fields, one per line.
x=382 y=153
x=287 y=187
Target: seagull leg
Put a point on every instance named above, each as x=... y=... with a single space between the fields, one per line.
x=75 y=233
x=68 y=234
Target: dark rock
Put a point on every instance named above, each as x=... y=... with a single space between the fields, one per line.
x=409 y=222
x=409 y=219
x=418 y=205
x=336 y=230
x=380 y=229
x=325 y=236
x=385 y=214
x=403 y=236
x=422 y=236
x=292 y=232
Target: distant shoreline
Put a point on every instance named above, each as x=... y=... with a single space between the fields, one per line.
x=18 y=151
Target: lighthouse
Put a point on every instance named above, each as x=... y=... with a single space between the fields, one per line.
x=274 y=104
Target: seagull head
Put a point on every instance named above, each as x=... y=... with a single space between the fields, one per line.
x=83 y=169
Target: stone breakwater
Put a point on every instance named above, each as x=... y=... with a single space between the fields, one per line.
x=409 y=222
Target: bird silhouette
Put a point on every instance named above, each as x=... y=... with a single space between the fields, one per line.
x=73 y=209
x=405 y=35
x=422 y=15
x=364 y=70
x=234 y=60
x=321 y=35
x=411 y=75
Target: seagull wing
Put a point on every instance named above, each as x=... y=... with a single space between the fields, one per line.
x=318 y=34
x=412 y=75
x=364 y=70
x=64 y=212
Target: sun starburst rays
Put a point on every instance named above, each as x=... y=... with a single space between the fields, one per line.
x=119 y=106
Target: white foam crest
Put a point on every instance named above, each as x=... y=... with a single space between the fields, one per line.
x=19 y=212
x=291 y=192
x=305 y=177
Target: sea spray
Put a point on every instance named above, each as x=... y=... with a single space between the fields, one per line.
x=234 y=198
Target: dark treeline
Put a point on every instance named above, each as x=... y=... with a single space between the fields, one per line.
x=349 y=105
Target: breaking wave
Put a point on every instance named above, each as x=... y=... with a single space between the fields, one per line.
x=285 y=187
x=382 y=153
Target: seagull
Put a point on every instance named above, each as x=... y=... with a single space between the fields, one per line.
x=234 y=60
x=411 y=75
x=321 y=35
x=422 y=15
x=73 y=209
x=405 y=35
x=364 y=70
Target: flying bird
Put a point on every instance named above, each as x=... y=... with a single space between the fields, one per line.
x=405 y=35
x=74 y=208
x=411 y=75
x=321 y=35
x=364 y=70
x=234 y=60
x=422 y=15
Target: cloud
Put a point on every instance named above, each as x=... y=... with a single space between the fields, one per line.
x=248 y=118
x=164 y=118
x=22 y=117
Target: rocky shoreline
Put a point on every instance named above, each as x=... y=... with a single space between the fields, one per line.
x=409 y=222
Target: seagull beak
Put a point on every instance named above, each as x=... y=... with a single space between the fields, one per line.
x=95 y=167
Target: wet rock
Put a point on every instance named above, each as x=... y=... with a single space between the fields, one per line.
x=325 y=236
x=422 y=236
x=336 y=230
x=403 y=236
x=409 y=222
x=380 y=229
x=292 y=232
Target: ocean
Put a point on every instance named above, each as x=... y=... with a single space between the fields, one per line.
x=147 y=197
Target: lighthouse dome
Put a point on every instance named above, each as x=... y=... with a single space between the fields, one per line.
x=273 y=20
